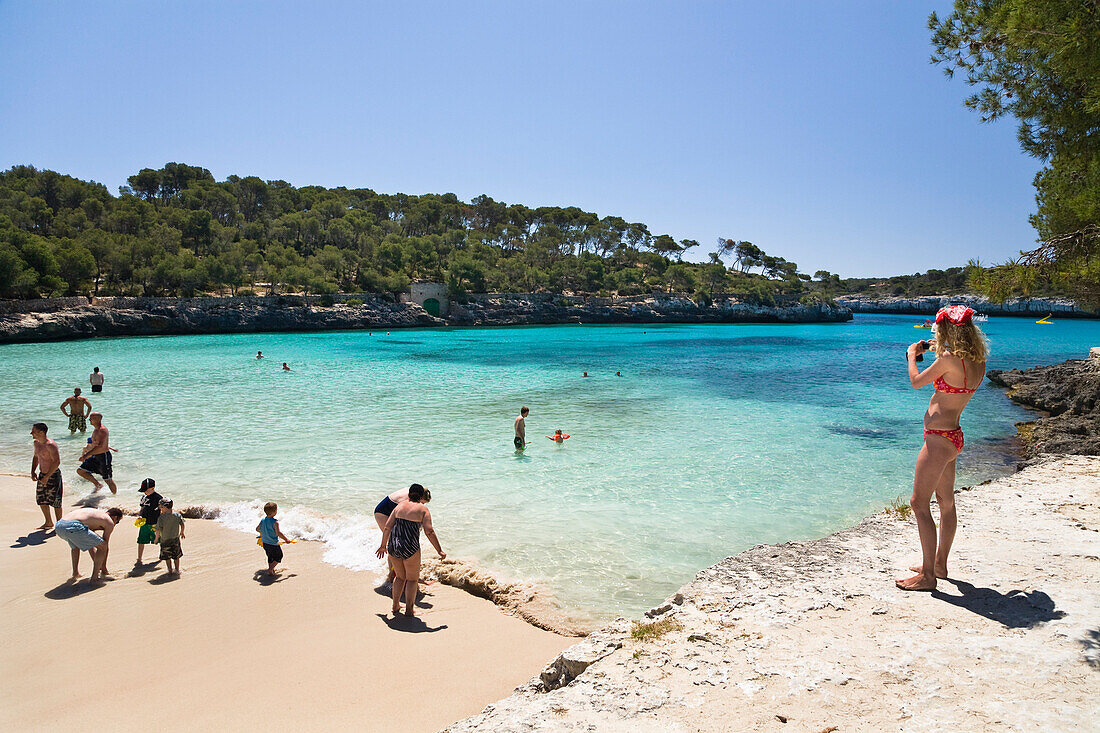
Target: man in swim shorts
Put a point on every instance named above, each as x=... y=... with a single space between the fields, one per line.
x=47 y=460
x=79 y=527
x=79 y=407
x=96 y=456
x=96 y=380
x=521 y=429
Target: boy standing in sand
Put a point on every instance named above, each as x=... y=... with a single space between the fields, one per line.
x=150 y=512
x=47 y=460
x=270 y=534
x=521 y=429
x=169 y=531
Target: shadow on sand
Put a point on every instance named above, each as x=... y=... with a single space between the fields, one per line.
x=409 y=624
x=92 y=500
x=1091 y=647
x=163 y=578
x=386 y=591
x=141 y=568
x=37 y=537
x=1015 y=609
x=264 y=578
x=72 y=589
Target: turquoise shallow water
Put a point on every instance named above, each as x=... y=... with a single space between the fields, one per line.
x=717 y=437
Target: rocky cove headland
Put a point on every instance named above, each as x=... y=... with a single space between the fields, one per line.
x=72 y=318
x=926 y=305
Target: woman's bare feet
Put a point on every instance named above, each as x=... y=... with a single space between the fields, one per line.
x=396 y=610
x=941 y=570
x=75 y=577
x=917 y=582
x=410 y=612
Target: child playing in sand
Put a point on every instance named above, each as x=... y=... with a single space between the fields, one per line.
x=169 y=532
x=270 y=534
x=558 y=437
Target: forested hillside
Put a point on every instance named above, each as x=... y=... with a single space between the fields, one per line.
x=177 y=231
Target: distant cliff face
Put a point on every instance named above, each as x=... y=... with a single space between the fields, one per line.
x=71 y=318
x=1070 y=393
x=928 y=304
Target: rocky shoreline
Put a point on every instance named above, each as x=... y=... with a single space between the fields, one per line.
x=74 y=318
x=927 y=305
x=1070 y=395
x=813 y=636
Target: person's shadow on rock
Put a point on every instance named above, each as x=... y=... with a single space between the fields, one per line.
x=265 y=578
x=1015 y=609
x=32 y=539
x=408 y=624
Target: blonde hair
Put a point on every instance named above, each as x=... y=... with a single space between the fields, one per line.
x=965 y=341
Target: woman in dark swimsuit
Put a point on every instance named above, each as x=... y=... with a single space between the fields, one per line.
x=401 y=539
x=961 y=355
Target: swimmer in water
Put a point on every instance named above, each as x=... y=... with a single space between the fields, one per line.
x=618 y=374
x=285 y=367
x=520 y=441
x=259 y=354
x=585 y=374
x=558 y=437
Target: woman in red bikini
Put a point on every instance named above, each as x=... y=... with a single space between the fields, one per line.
x=961 y=351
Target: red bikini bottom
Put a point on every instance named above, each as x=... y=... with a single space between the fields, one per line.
x=955 y=436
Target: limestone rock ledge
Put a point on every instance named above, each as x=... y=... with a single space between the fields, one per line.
x=813 y=636
x=1070 y=393
x=927 y=305
x=71 y=318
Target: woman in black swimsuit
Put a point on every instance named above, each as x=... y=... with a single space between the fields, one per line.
x=401 y=539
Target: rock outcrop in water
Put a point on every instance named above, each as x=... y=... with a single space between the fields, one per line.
x=69 y=318
x=926 y=305
x=1070 y=393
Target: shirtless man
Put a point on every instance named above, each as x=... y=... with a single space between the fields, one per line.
x=79 y=528
x=47 y=461
x=79 y=408
x=96 y=456
x=521 y=429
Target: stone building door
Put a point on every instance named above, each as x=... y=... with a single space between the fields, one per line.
x=432 y=306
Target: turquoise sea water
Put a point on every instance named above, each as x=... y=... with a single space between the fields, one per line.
x=716 y=437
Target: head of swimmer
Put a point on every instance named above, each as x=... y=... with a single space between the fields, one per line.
x=523 y=411
x=95 y=418
x=418 y=493
x=76 y=392
x=38 y=431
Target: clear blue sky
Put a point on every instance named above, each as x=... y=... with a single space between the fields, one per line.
x=817 y=130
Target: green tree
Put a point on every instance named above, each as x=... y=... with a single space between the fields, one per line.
x=1039 y=62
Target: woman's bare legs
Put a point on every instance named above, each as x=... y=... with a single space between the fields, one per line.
x=411 y=569
x=936 y=458
x=397 y=566
x=945 y=498
x=381 y=519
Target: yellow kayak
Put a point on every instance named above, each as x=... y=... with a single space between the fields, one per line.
x=1044 y=320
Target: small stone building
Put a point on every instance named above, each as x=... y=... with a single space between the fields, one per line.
x=432 y=297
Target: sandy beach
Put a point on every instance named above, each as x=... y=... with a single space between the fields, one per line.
x=223 y=647
x=813 y=636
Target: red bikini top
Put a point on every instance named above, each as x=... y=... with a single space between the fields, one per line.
x=941 y=385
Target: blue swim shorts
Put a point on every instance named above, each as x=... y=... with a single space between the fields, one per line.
x=76 y=534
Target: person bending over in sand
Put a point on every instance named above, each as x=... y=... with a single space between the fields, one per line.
x=96 y=456
x=385 y=508
x=79 y=408
x=521 y=429
x=401 y=539
x=79 y=527
x=961 y=355
x=47 y=460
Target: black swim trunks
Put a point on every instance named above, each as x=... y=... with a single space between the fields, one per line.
x=518 y=442
x=97 y=387
x=274 y=553
x=386 y=506
x=171 y=549
x=99 y=463
x=48 y=490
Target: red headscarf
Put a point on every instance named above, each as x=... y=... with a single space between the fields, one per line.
x=957 y=314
